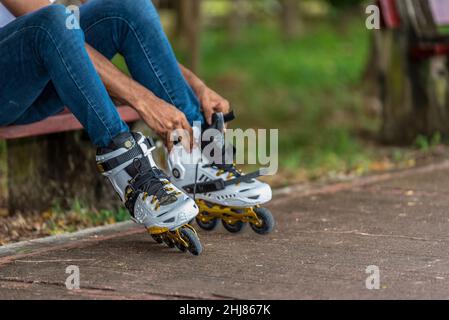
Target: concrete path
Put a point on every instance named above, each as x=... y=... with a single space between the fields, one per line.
x=325 y=238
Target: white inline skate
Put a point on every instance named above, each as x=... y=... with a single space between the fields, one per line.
x=147 y=193
x=221 y=191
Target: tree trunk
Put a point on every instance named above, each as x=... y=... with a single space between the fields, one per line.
x=235 y=21
x=188 y=30
x=55 y=169
x=290 y=19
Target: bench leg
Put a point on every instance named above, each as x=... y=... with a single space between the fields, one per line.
x=53 y=169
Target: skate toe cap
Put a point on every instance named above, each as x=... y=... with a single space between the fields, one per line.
x=188 y=210
x=256 y=193
x=263 y=191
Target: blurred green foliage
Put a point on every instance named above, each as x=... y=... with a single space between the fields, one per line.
x=425 y=143
x=79 y=216
x=308 y=88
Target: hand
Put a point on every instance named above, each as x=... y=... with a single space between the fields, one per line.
x=164 y=119
x=212 y=102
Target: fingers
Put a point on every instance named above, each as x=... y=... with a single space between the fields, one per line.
x=189 y=129
x=186 y=134
x=224 y=106
x=168 y=142
x=170 y=124
x=207 y=110
x=181 y=132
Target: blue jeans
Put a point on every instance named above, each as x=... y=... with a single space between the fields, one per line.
x=44 y=65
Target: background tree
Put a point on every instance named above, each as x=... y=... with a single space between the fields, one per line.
x=290 y=18
x=188 y=30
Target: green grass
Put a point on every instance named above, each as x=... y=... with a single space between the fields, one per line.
x=307 y=88
x=79 y=216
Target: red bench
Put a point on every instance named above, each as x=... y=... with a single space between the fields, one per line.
x=62 y=122
x=423 y=20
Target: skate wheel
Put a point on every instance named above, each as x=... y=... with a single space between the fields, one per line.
x=267 y=221
x=235 y=227
x=157 y=238
x=191 y=238
x=208 y=225
x=169 y=242
x=180 y=247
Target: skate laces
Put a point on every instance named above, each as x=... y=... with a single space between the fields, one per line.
x=153 y=182
x=229 y=168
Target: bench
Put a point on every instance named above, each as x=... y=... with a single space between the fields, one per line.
x=62 y=122
x=51 y=162
x=424 y=20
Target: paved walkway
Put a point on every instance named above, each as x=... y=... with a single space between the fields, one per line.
x=325 y=238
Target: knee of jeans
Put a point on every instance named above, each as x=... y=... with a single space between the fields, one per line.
x=57 y=18
x=136 y=8
x=51 y=16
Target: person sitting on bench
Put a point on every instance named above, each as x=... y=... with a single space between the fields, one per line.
x=49 y=60
x=46 y=64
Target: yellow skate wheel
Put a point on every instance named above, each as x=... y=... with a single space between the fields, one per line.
x=232 y=225
x=168 y=241
x=179 y=245
x=205 y=222
x=266 y=221
x=157 y=238
x=192 y=240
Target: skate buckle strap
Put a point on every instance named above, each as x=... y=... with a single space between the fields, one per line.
x=228 y=117
x=220 y=184
x=135 y=151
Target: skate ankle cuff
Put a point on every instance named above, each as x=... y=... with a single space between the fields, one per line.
x=134 y=151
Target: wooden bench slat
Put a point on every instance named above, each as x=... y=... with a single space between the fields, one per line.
x=59 y=123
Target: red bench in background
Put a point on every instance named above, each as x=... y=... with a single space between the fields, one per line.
x=62 y=122
x=410 y=70
x=423 y=19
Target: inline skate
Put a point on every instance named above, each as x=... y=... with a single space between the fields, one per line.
x=221 y=191
x=147 y=192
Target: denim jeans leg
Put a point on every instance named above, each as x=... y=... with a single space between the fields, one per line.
x=133 y=29
x=38 y=49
